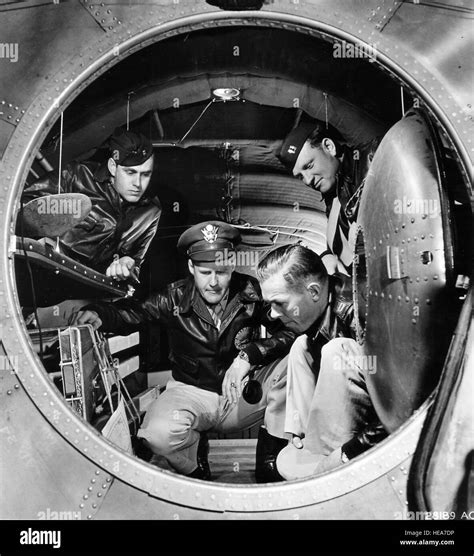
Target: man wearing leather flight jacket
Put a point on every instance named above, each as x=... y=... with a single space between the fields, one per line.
x=213 y=319
x=115 y=235
x=200 y=353
x=317 y=156
x=329 y=412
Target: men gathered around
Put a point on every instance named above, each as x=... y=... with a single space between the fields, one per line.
x=313 y=153
x=329 y=413
x=115 y=235
x=213 y=319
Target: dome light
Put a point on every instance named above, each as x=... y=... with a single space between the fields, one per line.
x=226 y=93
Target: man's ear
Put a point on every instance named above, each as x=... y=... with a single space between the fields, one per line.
x=329 y=146
x=112 y=166
x=314 y=289
x=191 y=266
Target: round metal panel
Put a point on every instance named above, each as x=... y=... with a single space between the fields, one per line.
x=404 y=251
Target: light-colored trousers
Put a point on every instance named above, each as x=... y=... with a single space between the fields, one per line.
x=173 y=422
x=330 y=407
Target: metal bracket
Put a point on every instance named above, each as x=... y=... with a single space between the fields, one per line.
x=10 y=113
x=102 y=14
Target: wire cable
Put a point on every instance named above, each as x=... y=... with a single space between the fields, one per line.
x=197 y=120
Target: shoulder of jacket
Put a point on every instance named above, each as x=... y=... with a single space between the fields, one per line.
x=156 y=202
x=170 y=294
x=152 y=203
x=84 y=172
x=178 y=285
x=88 y=166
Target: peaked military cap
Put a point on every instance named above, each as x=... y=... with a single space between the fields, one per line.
x=293 y=143
x=128 y=148
x=209 y=241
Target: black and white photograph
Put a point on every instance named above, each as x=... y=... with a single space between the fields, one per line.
x=236 y=276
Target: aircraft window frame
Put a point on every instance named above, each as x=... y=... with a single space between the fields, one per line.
x=236 y=498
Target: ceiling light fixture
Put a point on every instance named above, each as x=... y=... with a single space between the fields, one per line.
x=221 y=94
x=226 y=93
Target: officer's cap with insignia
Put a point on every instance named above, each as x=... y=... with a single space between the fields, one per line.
x=209 y=242
x=293 y=143
x=128 y=148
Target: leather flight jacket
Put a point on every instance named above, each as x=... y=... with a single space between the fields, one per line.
x=113 y=226
x=350 y=180
x=338 y=321
x=200 y=354
x=354 y=167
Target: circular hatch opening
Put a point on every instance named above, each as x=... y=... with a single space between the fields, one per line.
x=360 y=276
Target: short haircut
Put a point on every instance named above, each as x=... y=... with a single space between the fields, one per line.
x=320 y=132
x=298 y=263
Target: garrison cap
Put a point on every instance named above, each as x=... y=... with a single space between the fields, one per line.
x=293 y=143
x=128 y=148
x=211 y=241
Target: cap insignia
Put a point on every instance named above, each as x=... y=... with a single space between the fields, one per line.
x=210 y=233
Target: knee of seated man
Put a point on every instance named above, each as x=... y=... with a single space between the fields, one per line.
x=341 y=355
x=333 y=348
x=166 y=433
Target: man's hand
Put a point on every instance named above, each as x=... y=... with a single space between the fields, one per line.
x=120 y=268
x=85 y=317
x=232 y=383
